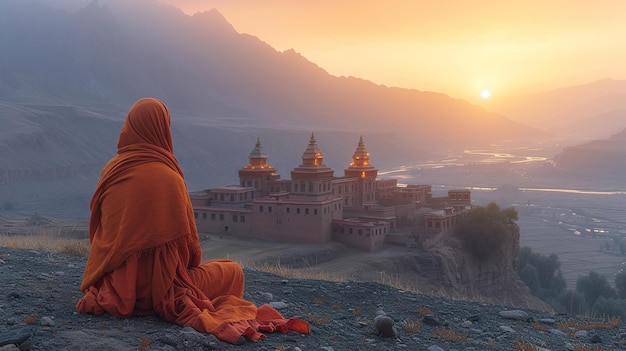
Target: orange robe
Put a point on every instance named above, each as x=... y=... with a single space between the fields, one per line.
x=145 y=255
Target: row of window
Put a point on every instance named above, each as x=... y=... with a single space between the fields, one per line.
x=350 y=230
x=247 y=196
x=298 y=210
x=214 y=217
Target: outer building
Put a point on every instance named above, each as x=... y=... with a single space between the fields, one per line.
x=314 y=206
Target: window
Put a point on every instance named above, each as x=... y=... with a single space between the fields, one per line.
x=195 y=215
x=213 y=216
x=288 y=209
x=234 y=218
x=203 y=215
x=298 y=210
x=221 y=216
x=269 y=209
x=242 y=219
x=260 y=208
x=306 y=211
x=315 y=211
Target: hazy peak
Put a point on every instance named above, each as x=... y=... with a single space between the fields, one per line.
x=214 y=20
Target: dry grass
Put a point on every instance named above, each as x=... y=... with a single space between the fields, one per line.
x=524 y=345
x=411 y=326
x=316 y=318
x=62 y=237
x=77 y=247
x=450 y=335
x=425 y=311
x=294 y=273
x=584 y=347
x=539 y=327
x=570 y=327
x=144 y=343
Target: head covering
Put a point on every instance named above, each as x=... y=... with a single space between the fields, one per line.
x=148 y=121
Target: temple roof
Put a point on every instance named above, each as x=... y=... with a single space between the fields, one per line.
x=360 y=158
x=312 y=156
x=258 y=151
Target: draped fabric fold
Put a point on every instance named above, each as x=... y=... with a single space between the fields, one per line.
x=145 y=255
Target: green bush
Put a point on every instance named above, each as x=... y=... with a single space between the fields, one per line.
x=620 y=284
x=609 y=307
x=572 y=302
x=593 y=286
x=542 y=274
x=484 y=230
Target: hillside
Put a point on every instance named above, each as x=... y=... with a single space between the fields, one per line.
x=41 y=291
x=67 y=79
x=602 y=159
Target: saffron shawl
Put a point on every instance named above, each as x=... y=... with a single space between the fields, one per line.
x=145 y=255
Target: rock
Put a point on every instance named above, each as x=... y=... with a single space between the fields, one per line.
x=507 y=329
x=16 y=336
x=557 y=332
x=580 y=333
x=547 y=321
x=515 y=314
x=434 y=348
x=384 y=326
x=432 y=320
x=596 y=339
x=279 y=305
x=474 y=318
x=9 y=347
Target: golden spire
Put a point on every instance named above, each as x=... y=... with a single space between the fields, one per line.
x=360 y=158
x=312 y=155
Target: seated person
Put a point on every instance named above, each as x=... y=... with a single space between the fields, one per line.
x=145 y=255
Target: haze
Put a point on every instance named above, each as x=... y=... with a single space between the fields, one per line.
x=457 y=47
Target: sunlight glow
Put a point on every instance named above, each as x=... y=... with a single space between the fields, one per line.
x=485 y=94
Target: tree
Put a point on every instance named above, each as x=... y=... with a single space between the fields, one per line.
x=510 y=213
x=541 y=273
x=594 y=285
x=620 y=284
x=484 y=230
x=572 y=302
x=608 y=307
x=530 y=277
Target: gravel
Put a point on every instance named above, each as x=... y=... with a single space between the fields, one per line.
x=40 y=289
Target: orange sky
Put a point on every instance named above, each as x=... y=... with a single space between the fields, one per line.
x=456 y=47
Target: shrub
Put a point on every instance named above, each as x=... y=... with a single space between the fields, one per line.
x=542 y=274
x=485 y=229
x=594 y=285
x=620 y=284
x=572 y=302
x=609 y=307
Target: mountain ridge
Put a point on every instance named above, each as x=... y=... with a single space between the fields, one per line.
x=224 y=89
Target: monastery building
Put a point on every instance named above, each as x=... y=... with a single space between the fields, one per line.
x=315 y=206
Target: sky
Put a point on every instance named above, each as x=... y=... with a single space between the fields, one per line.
x=461 y=48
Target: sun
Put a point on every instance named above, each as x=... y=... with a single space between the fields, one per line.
x=485 y=94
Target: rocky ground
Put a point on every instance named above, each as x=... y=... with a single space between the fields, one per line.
x=39 y=290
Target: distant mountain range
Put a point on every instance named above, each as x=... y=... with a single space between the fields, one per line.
x=595 y=110
x=69 y=74
x=600 y=159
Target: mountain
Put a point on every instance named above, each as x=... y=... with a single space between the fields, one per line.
x=69 y=74
x=588 y=111
x=600 y=126
x=602 y=159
